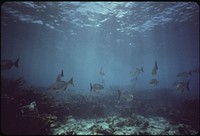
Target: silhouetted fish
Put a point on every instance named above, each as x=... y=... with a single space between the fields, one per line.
x=183 y=86
x=7 y=64
x=196 y=70
x=153 y=82
x=137 y=72
x=124 y=95
x=184 y=74
x=101 y=72
x=96 y=87
x=61 y=85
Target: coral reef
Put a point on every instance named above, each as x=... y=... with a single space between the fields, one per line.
x=22 y=109
x=121 y=126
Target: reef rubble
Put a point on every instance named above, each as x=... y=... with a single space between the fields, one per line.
x=113 y=125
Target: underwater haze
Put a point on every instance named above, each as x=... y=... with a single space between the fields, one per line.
x=149 y=49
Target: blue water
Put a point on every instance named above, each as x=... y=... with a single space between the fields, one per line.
x=82 y=37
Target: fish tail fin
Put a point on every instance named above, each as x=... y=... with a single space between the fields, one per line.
x=188 y=85
x=62 y=73
x=71 y=81
x=142 y=69
x=16 y=63
x=90 y=87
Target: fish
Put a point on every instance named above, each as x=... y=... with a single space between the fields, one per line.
x=155 y=68
x=184 y=74
x=96 y=87
x=196 y=70
x=137 y=72
x=8 y=64
x=59 y=76
x=124 y=95
x=101 y=72
x=61 y=85
x=183 y=86
x=153 y=82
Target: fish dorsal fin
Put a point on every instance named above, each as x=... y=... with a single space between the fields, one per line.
x=142 y=69
x=91 y=87
x=156 y=66
x=58 y=79
x=62 y=73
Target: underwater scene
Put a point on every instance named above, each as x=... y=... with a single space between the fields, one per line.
x=99 y=68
